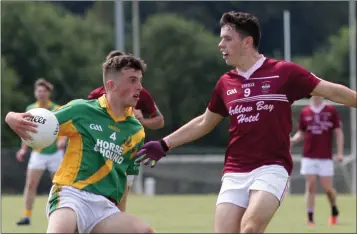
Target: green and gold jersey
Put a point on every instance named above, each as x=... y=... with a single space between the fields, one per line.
x=101 y=147
x=50 y=150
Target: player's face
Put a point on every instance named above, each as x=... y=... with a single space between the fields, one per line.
x=232 y=46
x=128 y=86
x=42 y=94
x=315 y=100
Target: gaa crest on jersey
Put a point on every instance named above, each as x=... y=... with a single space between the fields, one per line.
x=266 y=86
x=112 y=127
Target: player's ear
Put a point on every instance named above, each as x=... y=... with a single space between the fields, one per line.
x=111 y=85
x=248 y=42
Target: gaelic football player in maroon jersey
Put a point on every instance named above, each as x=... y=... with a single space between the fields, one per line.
x=317 y=124
x=257 y=96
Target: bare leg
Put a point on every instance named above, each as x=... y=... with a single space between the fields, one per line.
x=310 y=193
x=33 y=178
x=326 y=182
x=62 y=220
x=228 y=218
x=261 y=209
x=122 y=223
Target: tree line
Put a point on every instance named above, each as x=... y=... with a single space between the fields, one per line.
x=179 y=45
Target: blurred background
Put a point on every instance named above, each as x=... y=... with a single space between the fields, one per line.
x=66 y=42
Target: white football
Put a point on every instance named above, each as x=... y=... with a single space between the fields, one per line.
x=47 y=128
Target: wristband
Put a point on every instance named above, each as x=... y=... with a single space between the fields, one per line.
x=164 y=145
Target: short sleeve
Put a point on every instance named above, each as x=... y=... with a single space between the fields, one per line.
x=302 y=125
x=133 y=168
x=336 y=120
x=56 y=107
x=301 y=82
x=29 y=107
x=65 y=115
x=146 y=103
x=96 y=93
x=216 y=103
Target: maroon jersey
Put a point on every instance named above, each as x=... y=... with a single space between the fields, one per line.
x=146 y=103
x=259 y=105
x=318 y=125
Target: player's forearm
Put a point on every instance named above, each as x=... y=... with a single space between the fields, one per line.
x=191 y=131
x=298 y=137
x=339 y=141
x=156 y=122
x=123 y=201
x=343 y=95
x=24 y=146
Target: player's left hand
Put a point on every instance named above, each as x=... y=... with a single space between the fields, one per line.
x=151 y=153
x=339 y=158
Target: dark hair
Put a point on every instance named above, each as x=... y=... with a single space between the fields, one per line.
x=114 y=53
x=118 y=63
x=244 y=23
x=44 y=83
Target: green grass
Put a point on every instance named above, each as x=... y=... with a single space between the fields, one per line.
x=189 y=214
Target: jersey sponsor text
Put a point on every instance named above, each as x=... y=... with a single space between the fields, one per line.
x=109 y=150
x=243 y=111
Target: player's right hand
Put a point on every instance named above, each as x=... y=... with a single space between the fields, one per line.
x=20 y=125
x=151 y=153
x=20 y=155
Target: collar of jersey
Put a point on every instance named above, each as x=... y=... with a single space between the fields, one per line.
x=251 y=70
x=48 y=104
x=317 y=109
x=103 y=102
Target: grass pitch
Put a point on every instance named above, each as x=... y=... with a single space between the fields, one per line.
x=194 y=214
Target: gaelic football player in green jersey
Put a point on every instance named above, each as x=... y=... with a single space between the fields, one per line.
x=48 y=158
x=104 y=136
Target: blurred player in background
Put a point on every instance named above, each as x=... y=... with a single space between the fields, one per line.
x=145 y=111
x=40 y=159
x=103 y=138
x=257 y=96
x=317 y=124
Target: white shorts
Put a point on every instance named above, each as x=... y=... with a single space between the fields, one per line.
x=320 y=167
x=90 y=208
x=50 y=162
x=130 y=180
x=236 y=186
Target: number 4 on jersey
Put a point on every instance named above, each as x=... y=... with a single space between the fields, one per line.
x=113 y=136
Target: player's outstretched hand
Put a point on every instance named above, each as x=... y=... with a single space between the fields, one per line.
x=151 y=153
x=19 y=123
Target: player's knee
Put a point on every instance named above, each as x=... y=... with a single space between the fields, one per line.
x=144 y=229
x=31 y=185
x=329 y=191
x=252 y=227
x=311 y=187
x=149 y=230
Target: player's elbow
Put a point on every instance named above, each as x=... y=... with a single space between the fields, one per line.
x=205 y=126
x=342 y=94
x=157 y=123
x=339 y=132
x=160 y=122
